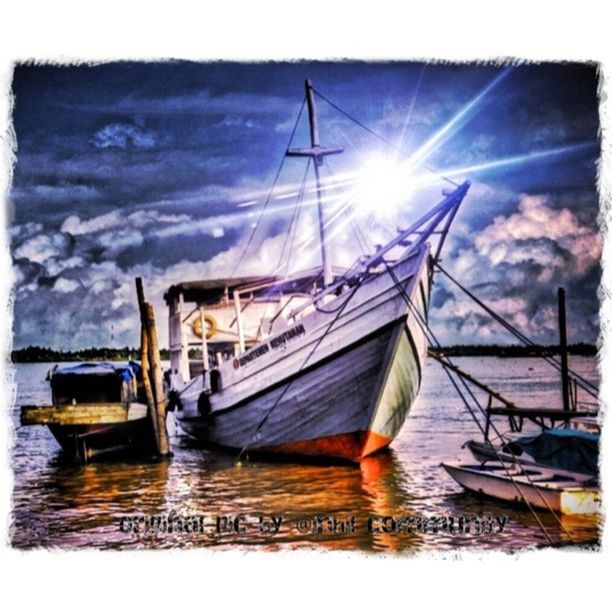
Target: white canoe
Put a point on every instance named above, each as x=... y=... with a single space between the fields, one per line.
x=543 y=488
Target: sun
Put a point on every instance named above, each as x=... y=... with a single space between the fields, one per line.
x=381 y=185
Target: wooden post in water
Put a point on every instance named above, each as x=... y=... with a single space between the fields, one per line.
x=152 y=373
x=563 y=349
x=163 y=445
x=146 y=380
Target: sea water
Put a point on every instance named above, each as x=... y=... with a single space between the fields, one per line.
x=401 y=500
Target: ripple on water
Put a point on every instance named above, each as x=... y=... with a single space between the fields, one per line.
x=56 y=504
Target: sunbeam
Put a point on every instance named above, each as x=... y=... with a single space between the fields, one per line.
x=519 y=159
x=470 y=110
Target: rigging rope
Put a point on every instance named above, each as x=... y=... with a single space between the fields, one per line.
x=267 y=201
x=515 y=332
x=291 y=230
x=430 y=334
x=287 y=387
x=383 y=139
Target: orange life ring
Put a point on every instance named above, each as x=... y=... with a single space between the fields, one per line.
x=211 y=326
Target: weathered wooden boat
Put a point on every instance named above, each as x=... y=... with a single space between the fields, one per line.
x=95 y=410
x=326 y=362
x=538 y=486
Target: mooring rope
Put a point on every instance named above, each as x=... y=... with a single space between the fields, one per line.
x=287 y=387
x=518 y=334
x=430 y=334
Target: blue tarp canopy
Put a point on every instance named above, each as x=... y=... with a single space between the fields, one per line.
x=566 y=449
x=102 y=368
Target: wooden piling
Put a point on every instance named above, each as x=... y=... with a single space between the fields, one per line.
x=565 y=384
x=152 y=373
x=163 y=444
x=146 y=381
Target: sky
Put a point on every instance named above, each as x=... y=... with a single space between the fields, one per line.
x=161 y=170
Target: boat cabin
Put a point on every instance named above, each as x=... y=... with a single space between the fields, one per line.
x=212 y=321
x=91 y=383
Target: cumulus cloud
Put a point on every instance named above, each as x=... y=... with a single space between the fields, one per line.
x=541 y=225
x=123 y=136
x=65 y=285
x=515 y=265
x=59 y=258
x=42 y=246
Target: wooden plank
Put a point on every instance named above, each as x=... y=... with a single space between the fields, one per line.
x=81 y=414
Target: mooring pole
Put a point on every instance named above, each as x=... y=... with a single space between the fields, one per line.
x=152 y=373
x=163 y=444
x=146 y=382
x=563 y=349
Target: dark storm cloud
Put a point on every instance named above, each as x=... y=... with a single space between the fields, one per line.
x=128 y=168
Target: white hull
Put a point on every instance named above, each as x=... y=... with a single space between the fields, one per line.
x=541 y=488
x=341 y=385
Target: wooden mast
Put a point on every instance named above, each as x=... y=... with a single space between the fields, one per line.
x=316 y=153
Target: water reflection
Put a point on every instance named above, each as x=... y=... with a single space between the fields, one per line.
x=56 y=504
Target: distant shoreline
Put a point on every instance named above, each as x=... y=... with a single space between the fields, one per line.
x=38 y=354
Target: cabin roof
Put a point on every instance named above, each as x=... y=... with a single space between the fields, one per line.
x=210 y=291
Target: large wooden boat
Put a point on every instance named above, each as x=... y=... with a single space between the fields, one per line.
x=326 y=362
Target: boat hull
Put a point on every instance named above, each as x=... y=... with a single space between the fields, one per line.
x=539 y=488
x=353 y=413
x=344 y=391
x=90 y=442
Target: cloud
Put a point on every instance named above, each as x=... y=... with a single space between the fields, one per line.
x=235 y=121
x=42 y=246
x=117 y=219
x=123 y=136
x=65 y=285
x=65 y=191
x=515 y=265
x=539 y=227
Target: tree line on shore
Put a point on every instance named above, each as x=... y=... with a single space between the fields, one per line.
x=35 y=354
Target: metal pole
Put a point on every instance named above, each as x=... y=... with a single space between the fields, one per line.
x=328 y=277
x=241 y=341
x=563 y=349
x=204 y=341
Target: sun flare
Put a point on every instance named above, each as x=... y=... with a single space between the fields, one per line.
x=381 y=185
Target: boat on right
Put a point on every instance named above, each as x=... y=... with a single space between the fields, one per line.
x=554 y=469
x=568 y=451
x=535 y=486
